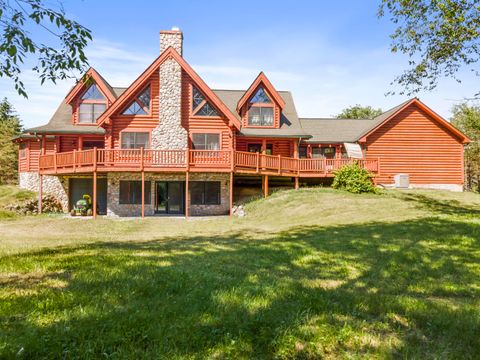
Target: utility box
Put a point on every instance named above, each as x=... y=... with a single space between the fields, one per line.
x=402 y=181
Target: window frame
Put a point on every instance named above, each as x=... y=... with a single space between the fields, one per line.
x=139 y=103
x=203 y=185
x=270 y=105
x=133 y=196
x=91 y=102
x=130 y=131
x=194 y=112
x=218 y=133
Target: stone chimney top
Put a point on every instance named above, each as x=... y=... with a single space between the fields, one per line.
x=173 y=38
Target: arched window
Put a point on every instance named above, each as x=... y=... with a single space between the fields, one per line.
x=261 y=109
x=92 y=105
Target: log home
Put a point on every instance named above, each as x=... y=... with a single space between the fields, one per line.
x=169 y=144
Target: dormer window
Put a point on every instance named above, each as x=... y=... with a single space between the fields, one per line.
x=200 y=106
x=261 y=109
x=92 y=105
x=140 y=105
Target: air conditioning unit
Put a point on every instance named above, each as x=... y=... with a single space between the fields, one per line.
x=402 y=181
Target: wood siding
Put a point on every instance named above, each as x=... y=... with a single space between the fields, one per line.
x=119 y=123
x=28 y=157
x=414 y=144
x=202 y=124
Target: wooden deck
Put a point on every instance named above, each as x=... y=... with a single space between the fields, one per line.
x=133 y=160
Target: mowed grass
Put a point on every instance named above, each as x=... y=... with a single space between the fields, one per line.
x=313 y=273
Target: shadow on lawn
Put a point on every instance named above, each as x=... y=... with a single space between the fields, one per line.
x=403 y=289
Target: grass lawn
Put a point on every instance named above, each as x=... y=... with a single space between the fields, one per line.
x=306 y=274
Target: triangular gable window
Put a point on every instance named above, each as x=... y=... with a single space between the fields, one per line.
x=93 y=94
x=200 y=106
x=141 y=104
x=260 y=97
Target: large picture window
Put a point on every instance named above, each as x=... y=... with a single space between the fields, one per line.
x=260 y=112
x=205 y=141
x=92 y=105
x=205 y=193
x=131 y=192
x=135 y=140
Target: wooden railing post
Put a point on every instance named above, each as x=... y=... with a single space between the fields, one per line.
x=187 y=159
x=258 y=161
x=279 y=164
x=142 y=158
x=55 y=162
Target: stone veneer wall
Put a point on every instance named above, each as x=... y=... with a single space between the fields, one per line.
x=52 y=185
x=170 y=134
x=114 y=208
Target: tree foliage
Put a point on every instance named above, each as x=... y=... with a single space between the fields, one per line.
x=438 y=36
x=10 y=126
x=54 y=61
x=359 y=112
x=467 y=119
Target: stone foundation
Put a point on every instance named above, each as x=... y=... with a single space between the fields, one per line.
x=53 y=185
x=114 y=208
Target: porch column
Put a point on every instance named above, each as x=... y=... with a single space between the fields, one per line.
x=264 y=146
x=265 y=188
x=186 y=195
x=40 y=194
x=231 y=193
x=94 y=204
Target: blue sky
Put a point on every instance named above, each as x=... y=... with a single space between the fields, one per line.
x=329 y=54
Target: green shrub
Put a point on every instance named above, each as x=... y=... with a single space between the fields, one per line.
x=354 y=179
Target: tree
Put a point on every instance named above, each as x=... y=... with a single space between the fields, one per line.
x=359 y=112
x=10 y=127
x=438 y=36
x=467 y=119
x=54 y=61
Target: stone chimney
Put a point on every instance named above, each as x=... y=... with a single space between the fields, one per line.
x=170 y=134
x=173 y=38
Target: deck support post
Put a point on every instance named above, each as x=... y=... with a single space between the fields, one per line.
x=265 y=188
x=231 y=193
x=186 y=195
x=94 y=204
x=297 y=185
x=40 y=194
x=143 y=194
x=143 y=181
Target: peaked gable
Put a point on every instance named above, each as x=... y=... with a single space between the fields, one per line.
x=137 y=85
x=91 y=77
x=390 y=114
x=261 y=82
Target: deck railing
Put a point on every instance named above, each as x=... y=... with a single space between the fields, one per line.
x=204 y=160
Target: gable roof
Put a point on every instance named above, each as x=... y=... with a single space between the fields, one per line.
x=353 y=130
x=61 y=121
x=289 y=122
x=138 y=83
x=390 y=114
x=260 y=79
x=104 y=86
